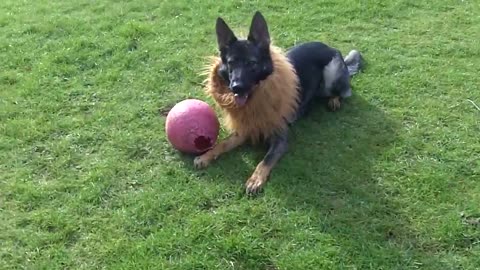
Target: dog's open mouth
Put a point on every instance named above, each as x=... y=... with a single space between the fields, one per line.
x=241 y=100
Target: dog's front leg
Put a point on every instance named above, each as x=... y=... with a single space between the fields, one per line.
x=224 y=146
x=278 y=147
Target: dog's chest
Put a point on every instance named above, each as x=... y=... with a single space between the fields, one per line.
x=261 y=118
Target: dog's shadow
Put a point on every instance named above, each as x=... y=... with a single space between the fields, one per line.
x=328 y=152
x=335 y=168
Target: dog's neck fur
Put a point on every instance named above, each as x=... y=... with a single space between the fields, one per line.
x=272 y=103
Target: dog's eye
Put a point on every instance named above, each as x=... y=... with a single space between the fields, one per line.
x=231 y=61
x=252 y=63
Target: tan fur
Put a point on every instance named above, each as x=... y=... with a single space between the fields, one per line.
x=259 y=176
x=233 y=141
x=334 y=103
x=272 y=102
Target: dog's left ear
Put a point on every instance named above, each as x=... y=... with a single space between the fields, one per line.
x=259 y=31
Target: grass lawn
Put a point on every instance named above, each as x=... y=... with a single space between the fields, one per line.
x=88 y=180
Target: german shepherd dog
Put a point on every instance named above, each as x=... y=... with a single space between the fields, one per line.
x=262 y=90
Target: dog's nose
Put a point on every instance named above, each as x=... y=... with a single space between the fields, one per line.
x=238 y=87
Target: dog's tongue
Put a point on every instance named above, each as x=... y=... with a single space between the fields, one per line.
x=241 y=100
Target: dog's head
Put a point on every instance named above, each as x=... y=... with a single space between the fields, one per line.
x=245 y=62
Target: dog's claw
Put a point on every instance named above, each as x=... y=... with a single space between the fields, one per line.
x=254 y=184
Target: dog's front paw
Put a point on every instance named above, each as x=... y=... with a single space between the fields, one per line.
x=259 y=177
x=202 y=161
x=255 y=183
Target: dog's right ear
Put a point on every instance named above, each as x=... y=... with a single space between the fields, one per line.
x=225 y=36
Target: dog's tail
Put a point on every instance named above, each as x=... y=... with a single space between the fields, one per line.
x=354 y=62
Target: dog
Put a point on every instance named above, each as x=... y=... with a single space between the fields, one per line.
x=263 y=90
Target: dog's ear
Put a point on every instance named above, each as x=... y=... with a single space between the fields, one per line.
x=259 y=31
x=225 y=36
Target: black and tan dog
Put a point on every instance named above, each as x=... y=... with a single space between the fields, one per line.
x=263 y=90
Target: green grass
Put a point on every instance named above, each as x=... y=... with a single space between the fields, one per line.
x=88 y=180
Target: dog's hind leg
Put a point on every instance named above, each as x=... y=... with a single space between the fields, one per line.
x=277 y=148
x=337 y=82
x=224 y=146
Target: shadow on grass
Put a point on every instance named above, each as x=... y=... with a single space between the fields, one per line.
x=335 y=171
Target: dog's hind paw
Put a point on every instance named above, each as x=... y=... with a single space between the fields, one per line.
x=334 y=103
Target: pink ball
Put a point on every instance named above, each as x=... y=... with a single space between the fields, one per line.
x=192 y=126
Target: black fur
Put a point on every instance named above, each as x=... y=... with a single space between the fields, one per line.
x=277 y=147
x=244 y=62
